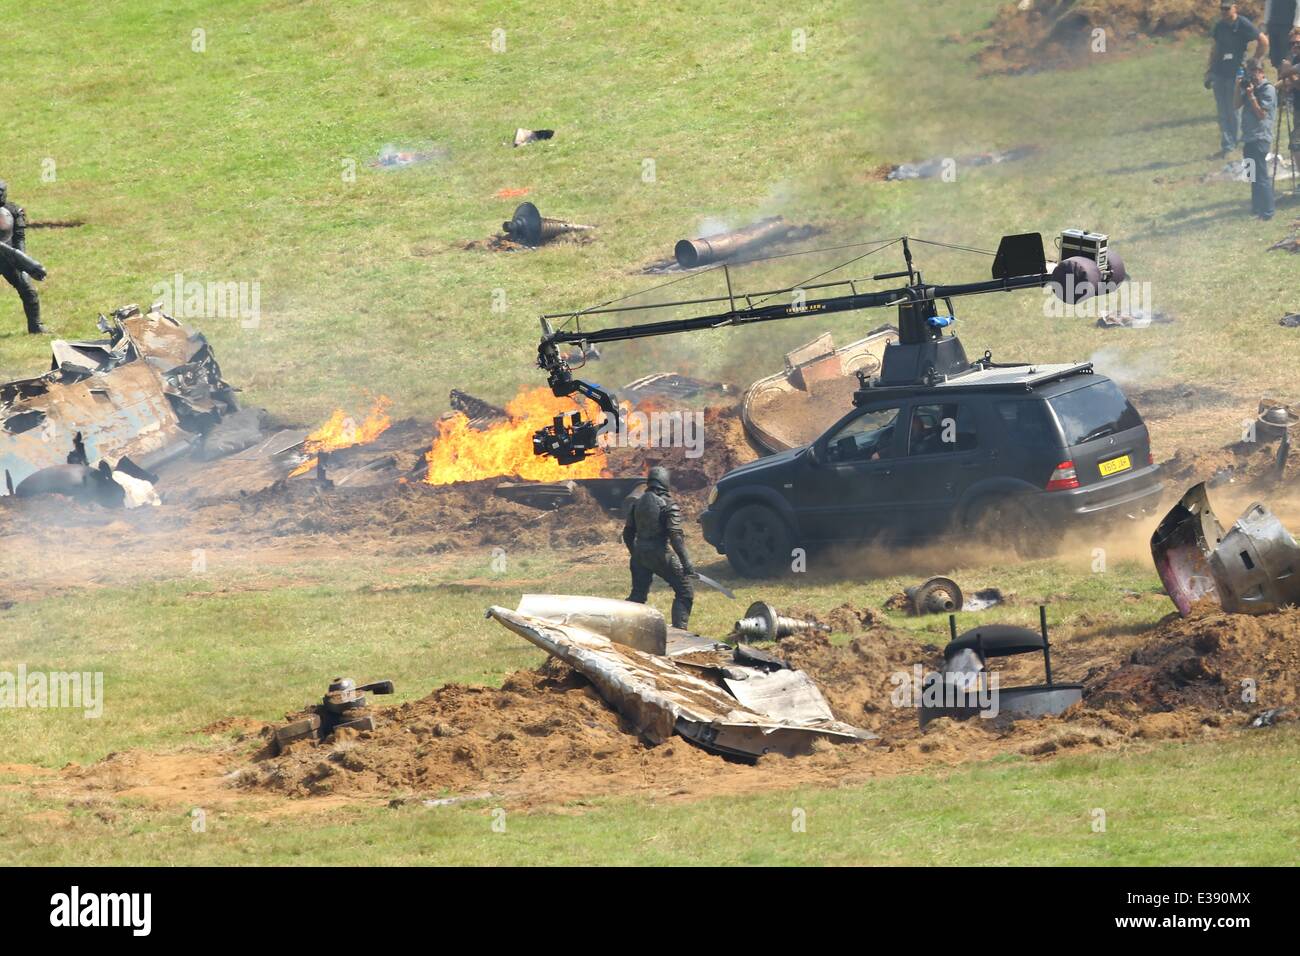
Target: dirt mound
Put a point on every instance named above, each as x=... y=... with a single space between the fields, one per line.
x=1230 y=664
x=845 y=619
x=545 y=737
x=1249 y=464
x=544 y=730
x=1059 y=33
x=855 y=678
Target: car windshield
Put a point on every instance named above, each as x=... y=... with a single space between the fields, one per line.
x=1094 y=411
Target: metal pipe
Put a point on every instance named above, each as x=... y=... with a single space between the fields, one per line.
x=691 y=253
x=1047 y=650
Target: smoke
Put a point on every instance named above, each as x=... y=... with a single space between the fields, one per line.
x=1126 y=367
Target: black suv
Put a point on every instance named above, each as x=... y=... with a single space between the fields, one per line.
x=1009 y=453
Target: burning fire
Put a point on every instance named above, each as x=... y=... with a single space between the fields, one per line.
x=343 y=431
x=461 y=453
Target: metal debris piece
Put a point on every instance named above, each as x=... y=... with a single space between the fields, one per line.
x=762 y=623
x=1290 y=321
x=796 y=405
x=1270 y=717
x=632 y=625
x=148 y=392
x=1137 y=319
x=935 y=595
x=1252 y=568
x=930 y=168
x=1275 y=422
x=660 y=696
x=546 y=495
x=524 y=136
x=692 y=253
x=674 y=385
x=966 y=691
x=344 y=707
x=482 y=415
x=531 y=228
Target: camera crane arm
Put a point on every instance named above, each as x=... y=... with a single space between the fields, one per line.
x=1020 y=264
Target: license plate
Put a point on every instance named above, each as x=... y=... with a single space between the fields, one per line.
x=1115 y=466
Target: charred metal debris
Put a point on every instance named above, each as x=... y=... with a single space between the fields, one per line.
x=739 y=702
x=1252 y=568
x=345 y=706
x=124 y=404
x=964 y=688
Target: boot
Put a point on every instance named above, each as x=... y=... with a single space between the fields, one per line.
x=34 y=326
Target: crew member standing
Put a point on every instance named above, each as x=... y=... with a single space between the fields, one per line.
x=656 y=546
x=1232 y=35
x=1280 y=18
x=1258 y=99
x=13 y=232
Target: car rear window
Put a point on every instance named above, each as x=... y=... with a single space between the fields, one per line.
x=1094 y=411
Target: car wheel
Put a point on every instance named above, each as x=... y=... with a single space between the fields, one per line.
x=1006 y=524
x=758 y=542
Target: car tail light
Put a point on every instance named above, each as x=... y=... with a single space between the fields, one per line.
x=1151 y=458
x=1064 y=476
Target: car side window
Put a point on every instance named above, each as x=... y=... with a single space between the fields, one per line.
x=946 y=427
x=869 y=437
x=1027 y=422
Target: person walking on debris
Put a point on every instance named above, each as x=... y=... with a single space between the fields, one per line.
x=1258 y=117
x=655 y=545
x=15 y=268
x=1232 y=34
x=1280 y=18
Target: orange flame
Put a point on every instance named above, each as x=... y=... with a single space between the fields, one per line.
x=461 y=453
x=343 y=431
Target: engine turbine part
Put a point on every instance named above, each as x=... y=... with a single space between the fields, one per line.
x=762 y=622
x=531 y=228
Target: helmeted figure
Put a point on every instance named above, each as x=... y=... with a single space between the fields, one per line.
x=13 y=233
x=656 y=546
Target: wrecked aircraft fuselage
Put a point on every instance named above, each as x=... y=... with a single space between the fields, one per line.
x=147 y=392
x=745 y=706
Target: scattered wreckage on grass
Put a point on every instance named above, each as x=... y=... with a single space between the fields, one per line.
x=738 y=702
x=125 y=404
x=964 y=688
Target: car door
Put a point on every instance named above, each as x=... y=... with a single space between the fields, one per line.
x=848 y=488
x=942 y=456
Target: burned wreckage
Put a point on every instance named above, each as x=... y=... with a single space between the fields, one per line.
x=110 y=410
x=740 y=702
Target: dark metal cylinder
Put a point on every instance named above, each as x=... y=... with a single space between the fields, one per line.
x=691 y=253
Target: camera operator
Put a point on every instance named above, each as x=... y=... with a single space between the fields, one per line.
x=1280 y=18
x=1232 y=35
x=1257 y=99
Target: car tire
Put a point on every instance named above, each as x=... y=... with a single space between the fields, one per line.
x=1006 y=524
x=758 y=542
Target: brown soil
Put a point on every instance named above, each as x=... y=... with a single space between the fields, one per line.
x=546 y=738
x=1058 y=33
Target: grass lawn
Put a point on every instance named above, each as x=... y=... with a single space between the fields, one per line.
x=234 y=165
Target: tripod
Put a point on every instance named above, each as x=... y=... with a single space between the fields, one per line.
x=1285 y=121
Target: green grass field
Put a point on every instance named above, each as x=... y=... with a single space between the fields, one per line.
x=229 y=165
